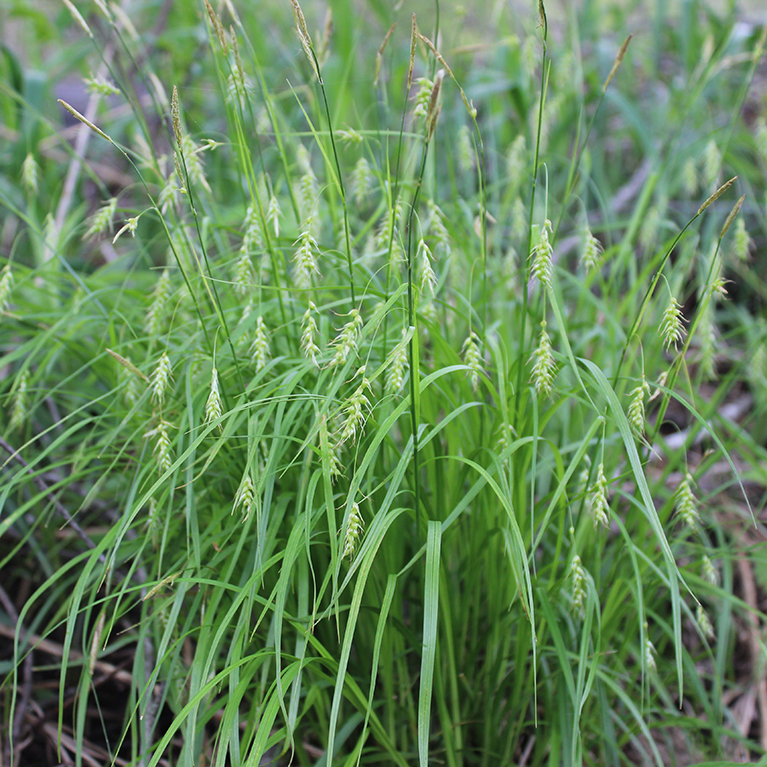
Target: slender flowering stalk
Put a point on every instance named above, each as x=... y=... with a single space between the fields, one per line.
x=685 y=503
x=213 y=407
x=346 y=340
x=596 y=499
x=157 y=309
x=472 y=358
x=578 y=576
x=274 y=214
x=354 y=530
x=305 y=258
x=19 y=400
x=636 y=409
x=309 y=334
x=395 y=374
x=591 y=256
x=162 y=448
x=354 y=410
x=428 y=278
x=672 y=328
x=649 y=655
x=541 y=256
x=544 y=365
x=259 y=349
x=245 y=497
x=161 y=378
x=29 y=173
x=6 y=286
x=102 y=220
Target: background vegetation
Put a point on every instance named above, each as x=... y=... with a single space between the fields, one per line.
x=389 y=392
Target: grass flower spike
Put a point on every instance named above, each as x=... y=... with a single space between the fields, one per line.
x=259 y=349
x=473 y=358
x=596 y=499
x=544 y=365
x=162 y=446
x=395 y=374
x=346 y=341
x=636 y=409
x=309 y=334
x=161 y=379
x=685 y=503
x=542 y=257
x=354 y=530
x=245 y=497
x=213 y=408
x=6 y=286
x=672 y=328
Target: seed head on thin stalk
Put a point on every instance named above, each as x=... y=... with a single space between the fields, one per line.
x=245 y=497
x=544 y=365
x=437 y=229
x=435 y=104
x=741 y=242
x=161 y=378
x=354 y=410
x=704 y=623
x=672 y=326
x=596 y=499
x=465 y=150
x=578 y=575
x=425 y=87
x=472 y=358
x=157 y=309
x=19 y=400
x=712 y=164
x=213 y=409
x=428 y=279
x=708 y=571
x=162 y=449
x=685 y=502
x=259 y=349
x=636 y=410
x=6 y=286
x=78 y=18
x=309 y=335
x=303 y=35
x=273 y=215
x=379 y=55
x=395 y=374
x=648 y=234
x=305 y=258
x=362 y=181
x=591 y=255
x=102 y=220
x=29 y=173
x=354 y=530
x=542 y=257
x=690 y=177
x=346 y=340
x=649 y=654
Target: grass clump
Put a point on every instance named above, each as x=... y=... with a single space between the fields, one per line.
x=394 y=423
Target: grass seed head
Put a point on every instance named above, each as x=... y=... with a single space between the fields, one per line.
x=708 y=571
x=155 y=317
x=354 y=410
x=161 y=378
x=309 y=335
x=354 y=530
x=213 y=409
x=596 y=499
x=685 y=503
x=102 y=220
x=591 y=255
x=544 y=366
x=6 y=286
x=395 y=373
x=741 y=242
x=541 y=255
x=305 y=258
x=259 y=349
x=672 y=326
x=29 y=173
x=346 y=341
x=162 y=446
x=636 y=409
x=690 y=177
x=362 y=181
x=19 y=400
x=472 y=358
x=712 y=164
x=245 y=497
x=578 y=577
x=704 y=623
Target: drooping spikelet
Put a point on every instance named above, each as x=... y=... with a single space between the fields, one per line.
x=157 y=309
x=465 y=150
x=741 y=242
x=596 y=499
x=685 y=503
x=305 y=258
x=213 y=407
x=162 y=447
x=472 y=358
x=578 y=576
x=704 y=623
x=672 y=327
x=422 y=97
x=354 y=530
x=428 y=280
x=273 y=215
x=591 y=255
x=362 y=181
x=346 y=340
x=437 y=229
x=102 y=219
x=542 y=257
x=245 y=496
x=395 y=374
x=712 y=164
x=6 y=286
x=636 y=410
x=309 y=334
x=354 y=410
x=29 y=173
x=161 y=378
x=259 y=349
x=708 y=571
x=690 y=177
x=19 y=400
x=544 y=365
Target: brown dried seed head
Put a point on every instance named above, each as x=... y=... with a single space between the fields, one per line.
x=176 y=117
x=733 y=215
x=379 y=55
x=618 y=60
x=716 y=195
